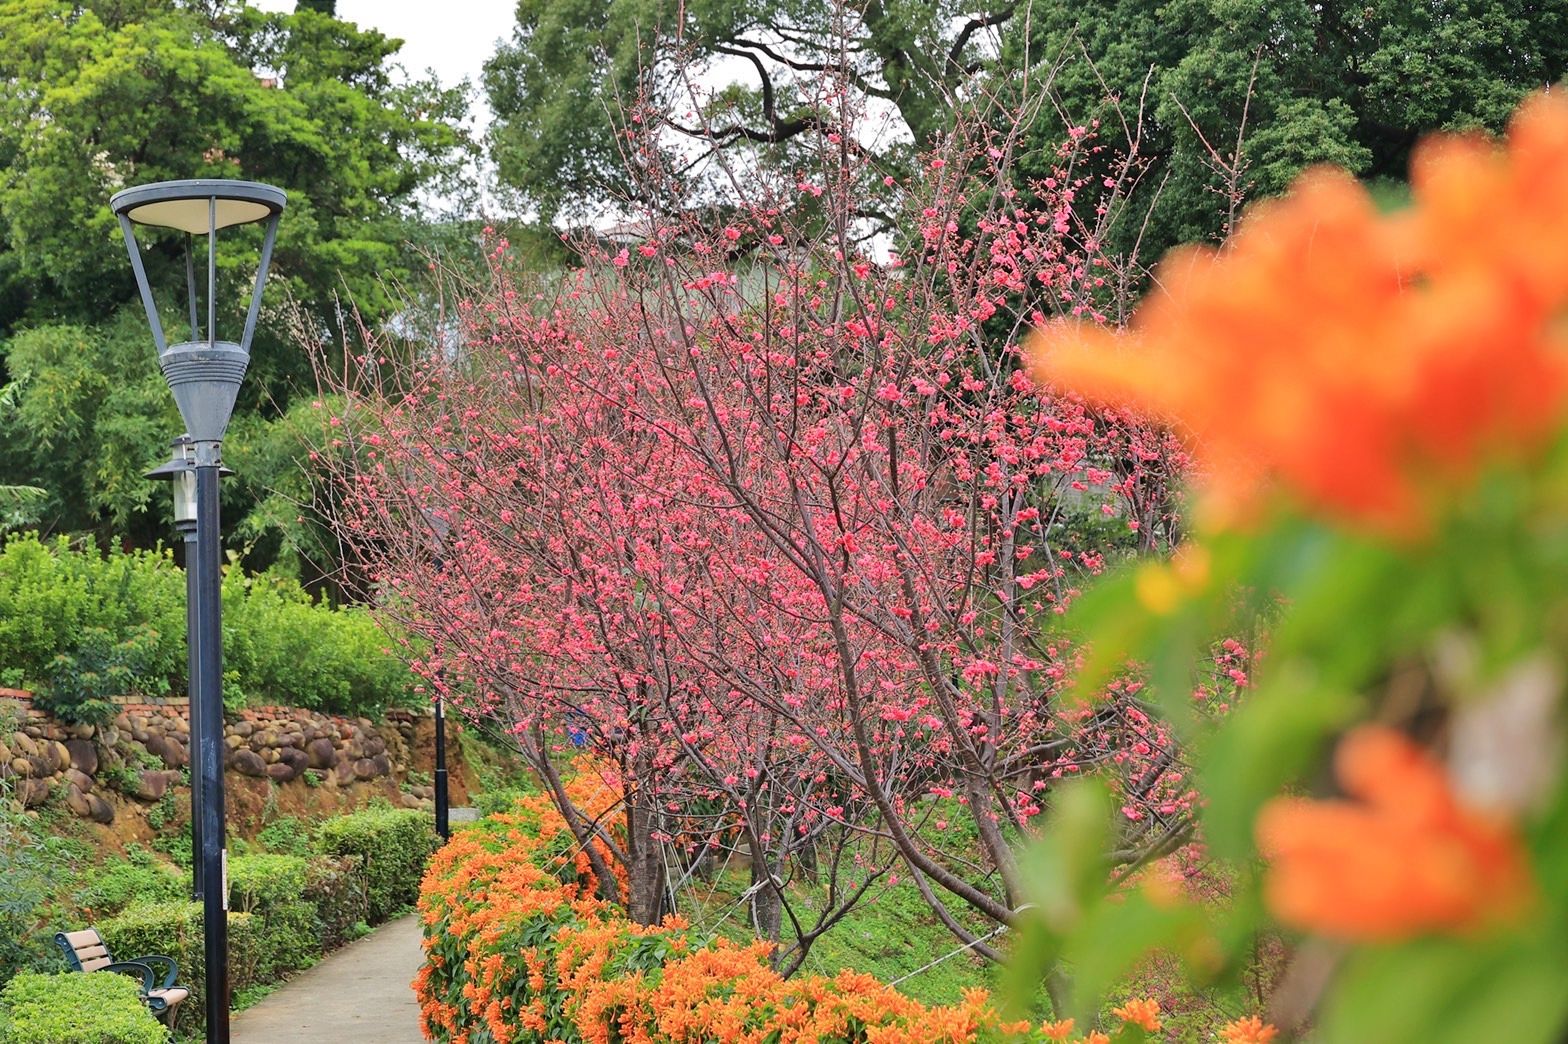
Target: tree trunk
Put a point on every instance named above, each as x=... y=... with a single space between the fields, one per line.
x=646 y=884
x=766 y=907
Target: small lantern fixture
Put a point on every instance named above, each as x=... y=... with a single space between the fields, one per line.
x=180 y=471
x=204 y=373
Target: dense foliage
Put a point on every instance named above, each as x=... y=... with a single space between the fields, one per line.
x=72 y=1008
x=1378 y=400
x=29 y=866
x=80 y=627
x=574 y=73
x=1218 y=103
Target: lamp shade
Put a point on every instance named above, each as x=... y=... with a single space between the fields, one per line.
x=184 y=205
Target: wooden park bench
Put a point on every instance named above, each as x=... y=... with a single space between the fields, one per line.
x=85 y=952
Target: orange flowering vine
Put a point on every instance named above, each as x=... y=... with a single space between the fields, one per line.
x=1368 y=363
x=1406 y=857
x=518 y=949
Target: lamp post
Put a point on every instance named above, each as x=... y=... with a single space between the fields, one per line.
x=180 y=472
x=204 y=374
x=443 y=811
x=439 y=528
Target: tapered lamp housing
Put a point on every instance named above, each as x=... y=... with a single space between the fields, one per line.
x=204 y=372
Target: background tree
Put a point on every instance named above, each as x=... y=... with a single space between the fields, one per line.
x=1219 y=102
x=103 y=95
x=560 y=87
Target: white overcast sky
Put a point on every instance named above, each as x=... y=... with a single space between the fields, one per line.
x=451 y=37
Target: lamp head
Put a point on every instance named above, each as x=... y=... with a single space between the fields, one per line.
x=204 y=373
x=183 y=205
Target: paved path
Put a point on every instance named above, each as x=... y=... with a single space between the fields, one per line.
x=356 y=995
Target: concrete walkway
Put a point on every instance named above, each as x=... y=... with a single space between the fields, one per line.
x=357 y=995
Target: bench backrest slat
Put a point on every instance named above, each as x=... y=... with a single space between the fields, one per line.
x=88 y=948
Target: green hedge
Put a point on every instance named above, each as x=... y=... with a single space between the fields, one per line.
x=394 y=844
x=272 y=887
x=175 y=929
x=72 y=1008
x=335 y=889
x=78 y=627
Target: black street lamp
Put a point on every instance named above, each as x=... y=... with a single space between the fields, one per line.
x=205 y=374
x=439 y=528
x=439 y=780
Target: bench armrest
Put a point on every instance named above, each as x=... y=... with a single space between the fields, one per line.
x=167 y=966
x=142 y=971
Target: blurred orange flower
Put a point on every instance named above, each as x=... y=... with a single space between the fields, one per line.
x=1250 y=1030
x=1144 y=1013
x=1406 y=858
x=1367 y=362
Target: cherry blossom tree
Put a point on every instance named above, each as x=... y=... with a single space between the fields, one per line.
x=768 y=515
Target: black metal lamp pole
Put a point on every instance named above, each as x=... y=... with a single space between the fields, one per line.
x=443 y=826
x=204 y=375
x=442 y=798
x=180 y=472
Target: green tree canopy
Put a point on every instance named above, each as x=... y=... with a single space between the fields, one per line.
x=100 y=95
x=104 y=95
x=573 y=67
x=1301 y=82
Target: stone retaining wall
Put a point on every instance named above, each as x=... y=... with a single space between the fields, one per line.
x=142 y=753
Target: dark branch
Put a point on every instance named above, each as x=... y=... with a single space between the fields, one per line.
x=974 y=25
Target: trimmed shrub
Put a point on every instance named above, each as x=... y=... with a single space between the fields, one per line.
x=73 y=1008
x=519 y=948
x=394 y=845
x=272 y=887
x=175 y=929
x=335 y=888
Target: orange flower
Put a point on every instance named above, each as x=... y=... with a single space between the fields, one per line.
x=1369 y=363
x=1406 y=858
x=1145 y=1013
x=1058 y=1031
x=1250 y=1030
